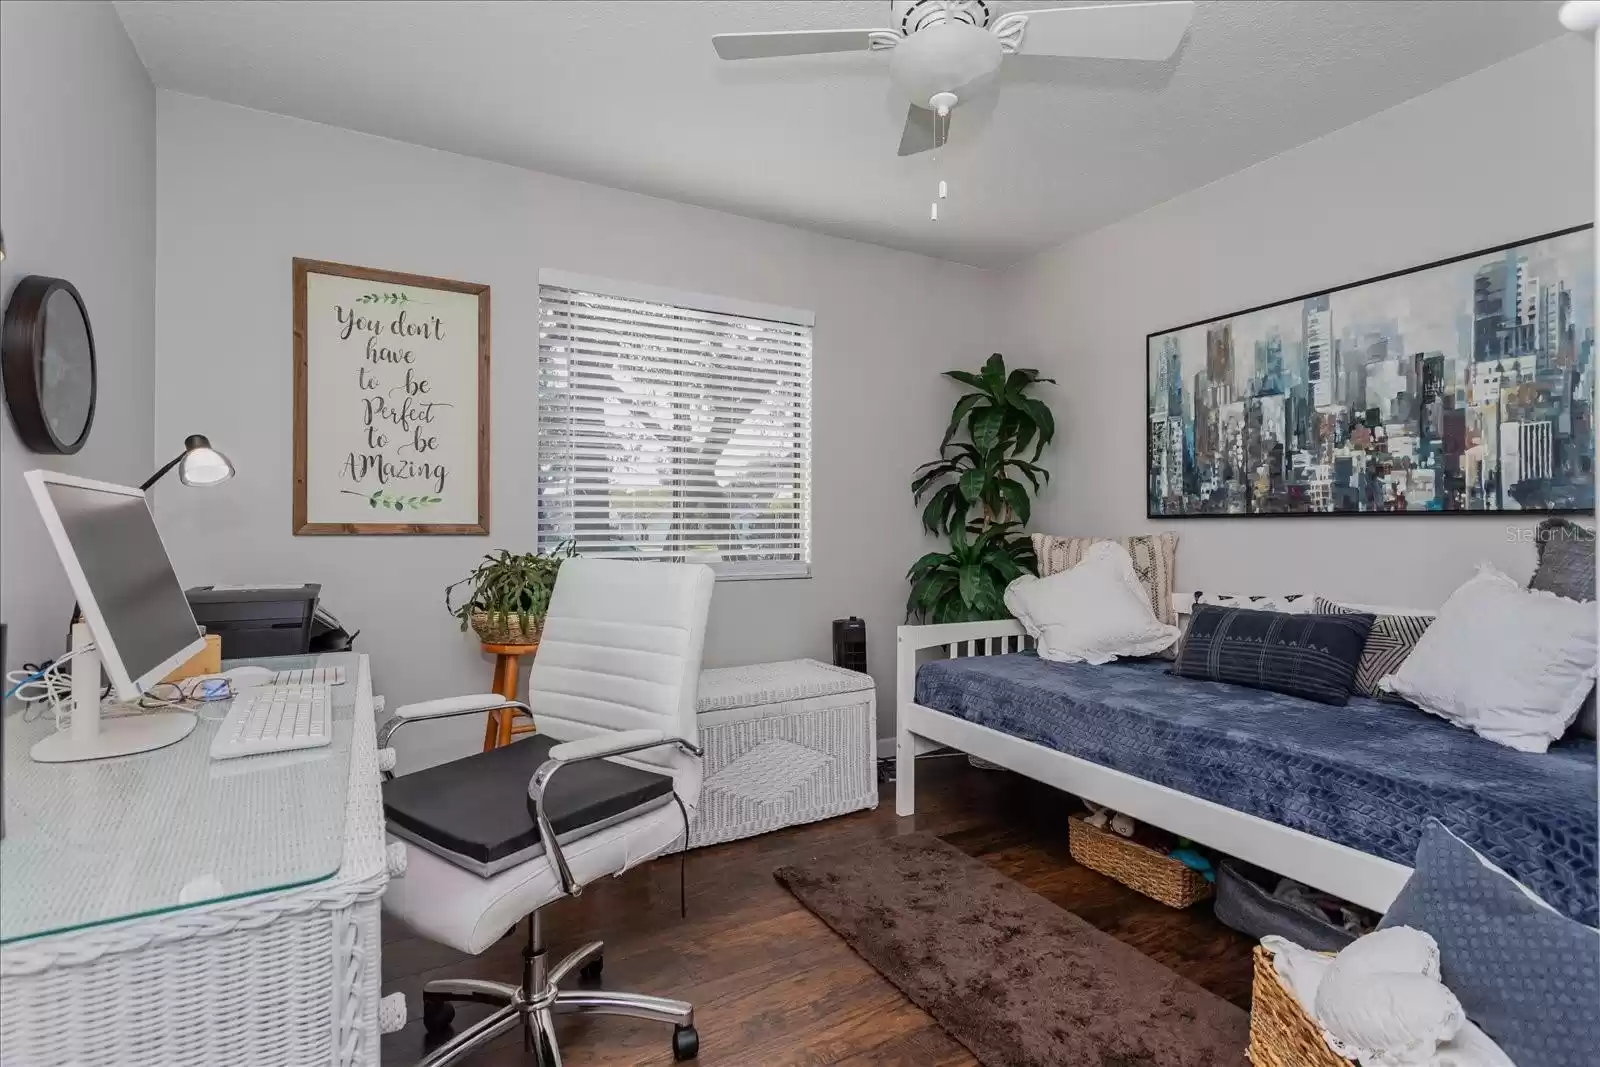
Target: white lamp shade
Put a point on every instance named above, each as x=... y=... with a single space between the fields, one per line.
x=203 y=467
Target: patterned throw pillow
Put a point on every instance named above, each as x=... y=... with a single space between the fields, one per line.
x=1306 y=655
x=1155 y=563
x=1566 y=560
x=1528 y=975
x=1566 y=568
x=1288 y=603
x=1388 y=644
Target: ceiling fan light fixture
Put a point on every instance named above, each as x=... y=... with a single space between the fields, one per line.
x=954 y=58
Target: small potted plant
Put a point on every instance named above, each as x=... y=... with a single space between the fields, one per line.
x=508 y=596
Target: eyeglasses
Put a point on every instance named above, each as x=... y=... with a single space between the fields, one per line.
x=187 y=692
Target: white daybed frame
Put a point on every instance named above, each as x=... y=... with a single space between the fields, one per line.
x=1338 y=869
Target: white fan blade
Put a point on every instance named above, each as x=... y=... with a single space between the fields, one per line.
x=795 y=43
x=1112 y=31
x=920 y=134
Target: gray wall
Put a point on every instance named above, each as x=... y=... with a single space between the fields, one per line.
x=241 y=193
x=77 y=201
x=1503 y=154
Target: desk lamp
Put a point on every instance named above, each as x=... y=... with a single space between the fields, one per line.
x=198 y=465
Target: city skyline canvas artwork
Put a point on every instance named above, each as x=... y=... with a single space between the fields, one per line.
x=1461 y=386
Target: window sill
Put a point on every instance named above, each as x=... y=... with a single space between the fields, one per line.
x=806 y=577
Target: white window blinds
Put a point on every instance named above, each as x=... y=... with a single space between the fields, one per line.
x=674 y=427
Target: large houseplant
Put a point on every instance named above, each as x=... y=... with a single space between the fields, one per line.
x=509 y=595
x=976 y=496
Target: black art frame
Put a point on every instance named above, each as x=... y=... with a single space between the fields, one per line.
x=1502 y=515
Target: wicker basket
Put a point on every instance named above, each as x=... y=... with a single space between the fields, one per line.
x=1157 y=876
x=1280 y=1033
x=506 y=630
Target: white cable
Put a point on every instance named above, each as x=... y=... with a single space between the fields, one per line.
x=53 y=685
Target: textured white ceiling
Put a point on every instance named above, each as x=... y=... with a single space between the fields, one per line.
x=630 y=94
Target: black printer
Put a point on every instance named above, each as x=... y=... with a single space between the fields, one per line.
x=257 y=622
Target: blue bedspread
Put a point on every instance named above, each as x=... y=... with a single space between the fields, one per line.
x=1366 y=775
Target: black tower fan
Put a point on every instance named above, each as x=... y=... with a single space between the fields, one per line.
x=850 y=644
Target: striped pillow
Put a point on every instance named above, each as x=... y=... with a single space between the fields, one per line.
x=1388 y=644
x=1155 y=563
x=1306 y=655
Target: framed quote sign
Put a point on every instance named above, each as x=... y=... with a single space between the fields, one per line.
x=391 y=402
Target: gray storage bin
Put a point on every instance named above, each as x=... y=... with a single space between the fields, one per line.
x=1248 y=908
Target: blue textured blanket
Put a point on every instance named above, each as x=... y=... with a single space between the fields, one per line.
x=1366 y=775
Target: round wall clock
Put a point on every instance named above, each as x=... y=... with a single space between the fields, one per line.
x=47 y=363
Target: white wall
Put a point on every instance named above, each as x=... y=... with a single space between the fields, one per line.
x=241 y=193
x=77 y=201
x=1500 y=155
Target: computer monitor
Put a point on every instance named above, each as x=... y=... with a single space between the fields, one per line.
x=132 y=602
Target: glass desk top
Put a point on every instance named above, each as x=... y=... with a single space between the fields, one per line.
x=97 y=842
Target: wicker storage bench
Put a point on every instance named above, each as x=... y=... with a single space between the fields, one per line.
x=785 y=743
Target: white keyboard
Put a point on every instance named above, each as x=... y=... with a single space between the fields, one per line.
x=310 y=676
x=275 y=718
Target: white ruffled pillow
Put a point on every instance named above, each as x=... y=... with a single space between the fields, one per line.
x=1384 y=1018
x=1512 y=665
x=1092 y=613
x=1399 y=949
x=1381 y=1002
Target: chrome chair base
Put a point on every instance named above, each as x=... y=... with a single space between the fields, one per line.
x=534 y=1005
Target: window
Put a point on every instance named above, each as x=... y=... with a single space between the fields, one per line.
x=674 y=427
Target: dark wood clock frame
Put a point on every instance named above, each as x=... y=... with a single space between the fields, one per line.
x=21 y=355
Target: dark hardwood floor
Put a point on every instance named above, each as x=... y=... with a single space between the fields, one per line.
x=770 y=983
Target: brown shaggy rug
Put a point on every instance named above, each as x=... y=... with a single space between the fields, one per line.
x=1015 y=979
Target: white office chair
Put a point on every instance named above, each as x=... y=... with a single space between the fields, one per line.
x=608 y=782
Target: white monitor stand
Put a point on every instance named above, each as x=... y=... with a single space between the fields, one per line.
x=92 y=737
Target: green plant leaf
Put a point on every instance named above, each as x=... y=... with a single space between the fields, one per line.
x=1025 y=431
x=994 y=375
x=1046 y=422
x=971 y=485
x=933 y=514
x=925 y=564
x=1030 y=471
x=985 y=428
x=936 y=585
x=1005 y=566
x=964 y=405
x=968 y=378
x=971 y=584
x=1016 y=498
x=924 y=481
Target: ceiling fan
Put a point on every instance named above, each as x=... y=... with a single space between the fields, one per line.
x=945 y=51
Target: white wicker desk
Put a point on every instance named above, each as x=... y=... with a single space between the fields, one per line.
x=281 y=978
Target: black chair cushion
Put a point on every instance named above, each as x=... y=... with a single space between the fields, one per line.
x=476 y=811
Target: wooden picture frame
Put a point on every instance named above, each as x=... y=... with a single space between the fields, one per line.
x=319 y=508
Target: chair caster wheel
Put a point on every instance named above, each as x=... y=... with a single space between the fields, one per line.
x=685 y=1043
x=438 y=1016
x=589 y=973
